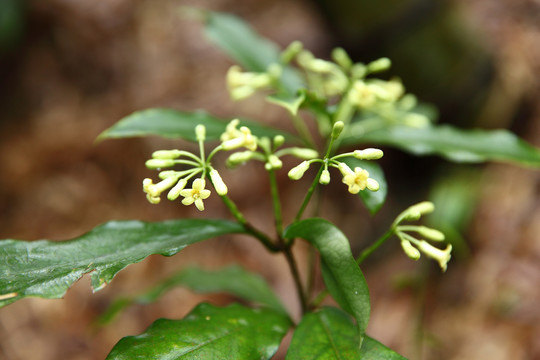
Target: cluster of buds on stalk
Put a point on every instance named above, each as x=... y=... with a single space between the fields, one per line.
x=339 y=77
x=356 y=180
x=199 y=166
x=175 y=181
x=414 y=246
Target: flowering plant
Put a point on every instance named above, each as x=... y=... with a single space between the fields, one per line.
x=350 y=107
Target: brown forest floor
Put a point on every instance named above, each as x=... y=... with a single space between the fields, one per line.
x=84 y=65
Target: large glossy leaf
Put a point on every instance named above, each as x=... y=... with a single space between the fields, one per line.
x=373 y=200
x=344 y=279
x=252 y=51
x=47 y=269
x=454 y=144
x=330 y=334
x=233 y=279
x=209 y=332
x=175 y=124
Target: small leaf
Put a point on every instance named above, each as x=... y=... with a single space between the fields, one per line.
x=209 y=332
x=330 y=334
x=47 y=269
x=290 y=104
x=454 y=144
x=350 y=285
x=373 y=200
x=175 y=124
x=233 y=280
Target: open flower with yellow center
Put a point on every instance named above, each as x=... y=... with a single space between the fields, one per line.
x=358 y=179
x=196 y=194
x=234 y=138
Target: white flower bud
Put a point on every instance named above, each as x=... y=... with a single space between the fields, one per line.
x=298 y=171
x=166 y=154
x=410 y=250
x=442 y=256
x=325 y=177
x=219 y=185
x=279 y=140
x=200 y=132
x=303 y=153
x=372 y=184
x=423 y=208
x=430 y=234
x=159 y=163
x=337 y=129
x=416 y=120
x=238 y=158
x=275 y=162
x=368 y=154
x=341 y=58
x=379 y=65
x=175 y=190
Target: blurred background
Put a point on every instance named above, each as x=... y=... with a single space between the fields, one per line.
x=71 y=69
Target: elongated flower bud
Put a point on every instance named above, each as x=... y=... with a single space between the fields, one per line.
x=368 y=154
x=166 y=154
x=219 y=185
x=175 y=190
x=200 y=132
x=379 y=65
x=337 y=129
x=410 y=250
x=372 y=184
x=442 y=256
x=298 y=171
x=303 y=153
x=430 y=234
x=416 y=211
x=159 y=163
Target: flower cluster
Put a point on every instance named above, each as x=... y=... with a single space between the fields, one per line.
x=356 y=180
x=234 y=137
x=413 y=246
x=338 y=77
x=176 y=181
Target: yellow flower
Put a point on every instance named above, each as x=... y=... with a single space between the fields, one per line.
x=442 y=256
x=153 y=191
x=196 y=194
x=234 y=138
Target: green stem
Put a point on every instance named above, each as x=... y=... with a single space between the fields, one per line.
x=319 y=298
x=263 y=238
x=303 y=131
x=296 y=276
x=367 y=252
x=308 y=195
x=276 y=202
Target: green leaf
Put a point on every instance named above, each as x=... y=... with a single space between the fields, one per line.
x=324 y=335
x=233 y=279
x=252 y=51
x=175 y=124
x=47 y=269
x=209 y=332
x=350 y=288
x=330 y=334
x=374 y=350
x=454 y=144
x=373 y=200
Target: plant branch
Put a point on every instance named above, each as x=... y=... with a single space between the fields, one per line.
x=307 y=198
x=276 y=203
x=263 y=238
x=367 y=252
